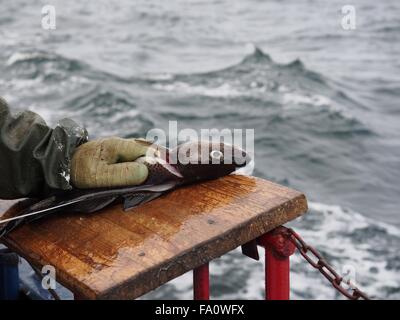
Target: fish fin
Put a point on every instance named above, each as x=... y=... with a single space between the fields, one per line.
x=156 y=188
x=47 y=206
x=92 y=205
x=134 y=200
x=9 y=226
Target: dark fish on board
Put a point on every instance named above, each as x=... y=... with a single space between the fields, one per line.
x=168 y=169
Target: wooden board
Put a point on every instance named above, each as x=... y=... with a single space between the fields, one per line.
x=114 y=254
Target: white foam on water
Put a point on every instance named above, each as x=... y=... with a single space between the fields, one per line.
x=126 y=115
x=22 y=56
x=160 y=76
x=335 y=213
x=224 y=90
x=296 y=100
x=336 y=231
x=309 y=99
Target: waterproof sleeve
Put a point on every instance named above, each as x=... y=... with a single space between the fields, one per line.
x=35 y=159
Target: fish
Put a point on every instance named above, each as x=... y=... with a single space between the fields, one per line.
x=188 y=163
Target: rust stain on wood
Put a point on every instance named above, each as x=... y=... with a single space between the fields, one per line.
x=116 y=254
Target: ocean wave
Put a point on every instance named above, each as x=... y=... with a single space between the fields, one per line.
x=99 y=101
x=288 y=91
x=224 y=90
x=49 y=66
x=260 y=82
x=255 y=73
x=114 y=109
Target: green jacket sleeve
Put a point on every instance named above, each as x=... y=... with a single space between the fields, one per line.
x=35 y=159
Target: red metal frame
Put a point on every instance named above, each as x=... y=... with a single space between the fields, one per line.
x=278 y=249
x=201 y=283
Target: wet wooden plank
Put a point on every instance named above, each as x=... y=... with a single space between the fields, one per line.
x=114 y=254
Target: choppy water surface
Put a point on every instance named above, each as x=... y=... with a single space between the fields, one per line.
x=324 y=103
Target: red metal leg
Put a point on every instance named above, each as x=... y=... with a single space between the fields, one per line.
x=278 y=249
x=201 y=283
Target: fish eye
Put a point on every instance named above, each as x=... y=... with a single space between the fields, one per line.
x=216 y=154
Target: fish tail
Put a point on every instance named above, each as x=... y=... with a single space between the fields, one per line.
x=81 y=206
x=9 y=226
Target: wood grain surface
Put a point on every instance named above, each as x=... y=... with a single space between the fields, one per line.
x=116 y=254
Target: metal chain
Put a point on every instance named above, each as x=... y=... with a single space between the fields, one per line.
x=318 y=262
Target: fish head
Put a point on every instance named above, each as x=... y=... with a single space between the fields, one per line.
x=203 y=160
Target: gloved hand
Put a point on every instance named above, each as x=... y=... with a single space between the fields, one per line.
x=108 y=162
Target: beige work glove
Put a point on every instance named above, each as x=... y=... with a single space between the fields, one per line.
x=108 y=162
